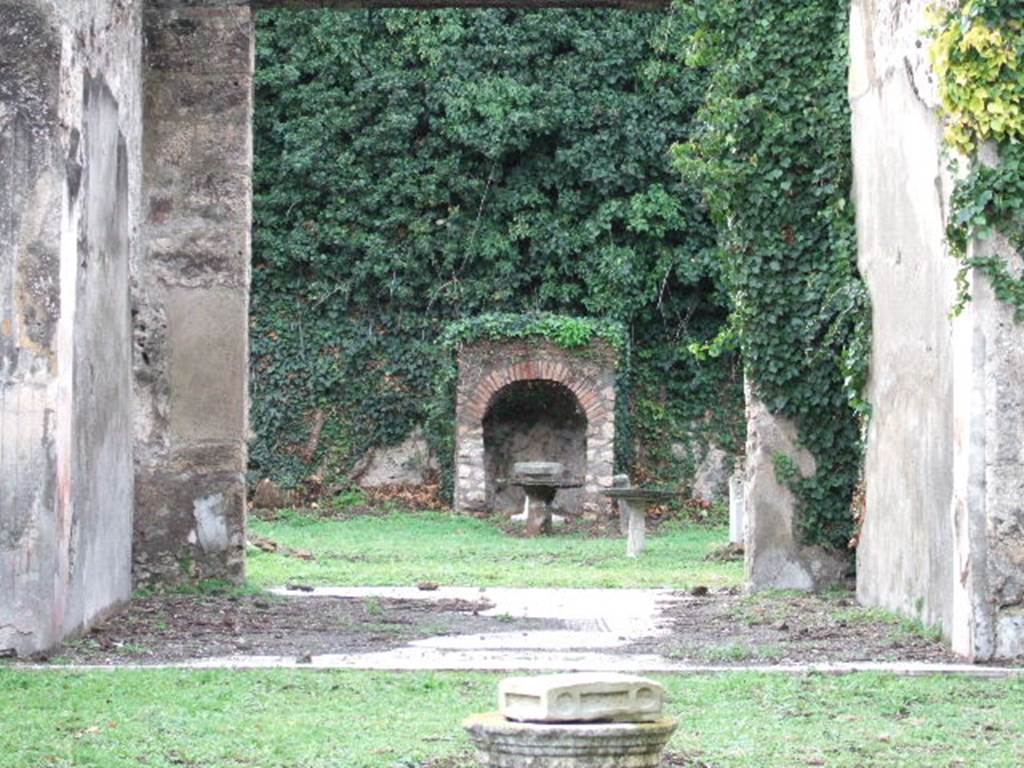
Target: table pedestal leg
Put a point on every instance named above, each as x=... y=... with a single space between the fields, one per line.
x=538 y=518
x=637 y=513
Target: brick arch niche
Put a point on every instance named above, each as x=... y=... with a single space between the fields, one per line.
x=492 y=371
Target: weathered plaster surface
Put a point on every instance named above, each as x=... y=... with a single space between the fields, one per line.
x=191 y=292
x=775 y=556
x=905 y=555
x=943 y=537
x=69 y=189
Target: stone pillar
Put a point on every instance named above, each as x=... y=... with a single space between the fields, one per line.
x=191 y=292
x=737 y=519
x=987 y=507
x=69 y=209
x=775 y=556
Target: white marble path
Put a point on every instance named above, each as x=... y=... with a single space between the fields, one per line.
x=596 y=625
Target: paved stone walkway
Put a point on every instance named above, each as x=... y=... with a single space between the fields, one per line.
x=596 y=625
x=596 y=622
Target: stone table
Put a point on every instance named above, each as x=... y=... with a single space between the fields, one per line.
x=540 y=481
x=635 y=501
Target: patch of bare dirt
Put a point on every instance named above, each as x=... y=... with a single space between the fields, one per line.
x=171 y=628
x=728 y=628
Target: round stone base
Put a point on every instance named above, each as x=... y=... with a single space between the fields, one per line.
x=506 y=743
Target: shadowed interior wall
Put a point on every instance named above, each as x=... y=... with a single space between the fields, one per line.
x=533 y=421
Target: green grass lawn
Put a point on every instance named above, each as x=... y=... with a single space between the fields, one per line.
x=309 y=719
x=404 y=548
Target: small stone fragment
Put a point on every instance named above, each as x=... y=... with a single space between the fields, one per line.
x=267 y=495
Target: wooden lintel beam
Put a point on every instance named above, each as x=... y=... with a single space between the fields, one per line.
x=350 y=5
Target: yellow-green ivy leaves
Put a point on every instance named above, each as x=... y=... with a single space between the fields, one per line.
x=977 y=52
x=977 y=55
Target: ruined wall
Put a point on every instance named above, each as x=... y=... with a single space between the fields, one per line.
x=69 y=215
x=943 y=536
x=774 y=554
x=191 y=292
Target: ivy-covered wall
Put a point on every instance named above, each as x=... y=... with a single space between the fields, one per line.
x=414 y=168
x=771 y=154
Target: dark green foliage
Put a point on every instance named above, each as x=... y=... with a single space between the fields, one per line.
x=416 y=168
x=565 y=331
x=772 y=155
x=988 y=200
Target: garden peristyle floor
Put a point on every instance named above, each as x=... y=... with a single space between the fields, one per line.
x=394 y=548
x=355 y=719
x=418 y=611
x=406 y=591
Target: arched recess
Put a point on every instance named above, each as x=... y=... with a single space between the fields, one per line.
x=532 y=420
x=488 y=369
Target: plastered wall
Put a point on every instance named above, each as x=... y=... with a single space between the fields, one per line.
x=70 y=178
x=943 y=536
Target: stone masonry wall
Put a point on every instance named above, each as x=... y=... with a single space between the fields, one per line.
x=191 y=292
x=943 y=536
x=774 y=554
x=988 y=487
x=485 y=368
x=70 y=177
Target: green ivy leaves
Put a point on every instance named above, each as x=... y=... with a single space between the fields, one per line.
x=417 y=168
x=770 y=152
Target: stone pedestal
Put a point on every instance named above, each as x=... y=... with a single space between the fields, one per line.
x=538 y=508
x=636 y=530
x=505 y=743
x=737 y=518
